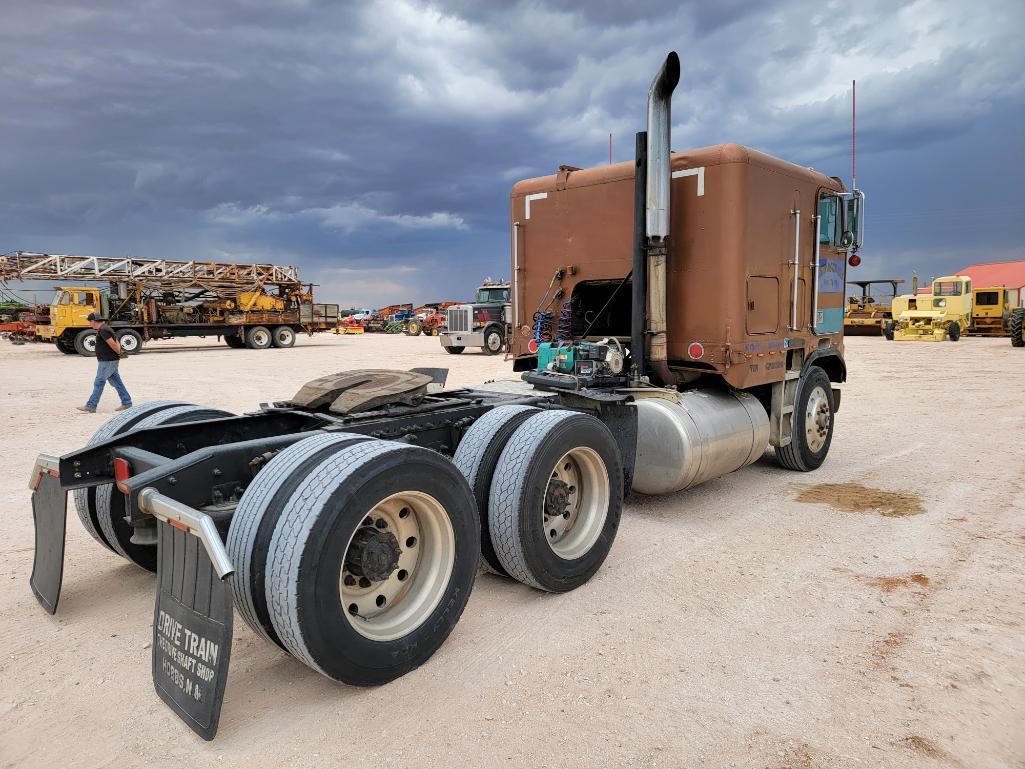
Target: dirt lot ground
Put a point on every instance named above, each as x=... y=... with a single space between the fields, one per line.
x=766 y=619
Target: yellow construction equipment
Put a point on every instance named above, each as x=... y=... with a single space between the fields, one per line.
x=946 y=313
x=991 y=310
x=867 y=314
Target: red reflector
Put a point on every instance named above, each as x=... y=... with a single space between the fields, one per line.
x=854 y=261
x=122 y=472
x=532 y=346
x=178 y=525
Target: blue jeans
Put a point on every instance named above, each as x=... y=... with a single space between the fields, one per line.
x=106 y=371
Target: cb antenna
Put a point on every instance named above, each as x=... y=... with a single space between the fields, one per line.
x=854 y=135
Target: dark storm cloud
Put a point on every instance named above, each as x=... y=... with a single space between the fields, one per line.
x=375 y=144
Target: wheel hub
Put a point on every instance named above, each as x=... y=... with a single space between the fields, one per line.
x=557 y=498
x=373 y=554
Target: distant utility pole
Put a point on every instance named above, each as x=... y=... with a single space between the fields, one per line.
x=610 y=149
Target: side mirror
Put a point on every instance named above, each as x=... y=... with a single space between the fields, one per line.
x=853 y=226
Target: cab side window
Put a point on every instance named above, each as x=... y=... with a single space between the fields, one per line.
x=827 y=220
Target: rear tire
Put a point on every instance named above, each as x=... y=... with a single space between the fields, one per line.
x=477 y=457
x=283 y=337
x=556 y=499
x=130 y=341
x=110 y=503
x=454 y=350
x=413 y=328
x=257 y=515
x=371 y=634
x=1016 y=325
x=85 y=499
x=258 y=338
x=66 y=347
x=953 y=331
x=810 y=443
x=85 y=343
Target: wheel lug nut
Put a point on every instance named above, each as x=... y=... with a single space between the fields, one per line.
x=349 y=580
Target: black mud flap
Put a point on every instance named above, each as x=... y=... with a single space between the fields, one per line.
x=192 y=628
x=49 y=513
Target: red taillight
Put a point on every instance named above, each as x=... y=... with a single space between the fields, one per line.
x=854 y=261
x=122 y=472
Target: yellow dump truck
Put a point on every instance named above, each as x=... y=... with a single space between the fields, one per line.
x=946 y=313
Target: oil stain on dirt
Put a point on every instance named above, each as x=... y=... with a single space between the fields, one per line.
x=855 y=498
x=929 y=748
x=889 y=584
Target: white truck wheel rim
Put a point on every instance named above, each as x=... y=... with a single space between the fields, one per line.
x=260 y=338
x=817 y=419
x=89 y=343
x=494 y=342
x=128 y=343
x=580 y=472
x=393 y=607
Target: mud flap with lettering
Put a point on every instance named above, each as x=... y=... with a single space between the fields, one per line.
x=192 y=629
x=49 y=514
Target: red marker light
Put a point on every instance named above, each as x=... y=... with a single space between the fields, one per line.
x=854 y=261
x=122 y=472
x=532 y=346
x=696 y=350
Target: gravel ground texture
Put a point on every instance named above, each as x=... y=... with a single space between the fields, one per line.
x=868 y=614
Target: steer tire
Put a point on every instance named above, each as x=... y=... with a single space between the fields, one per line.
x=85 y=343
x=283 y=337
x=256 y=516
x=477 y=457
x=953 y=331
x=310 y=552
x=520 y=529
x=798 y=454
x=110 y=503
x=888 y=330
x=493 y=341
x=85 y=499
x=258 y=338
x=454 y=350
x=1016 y=325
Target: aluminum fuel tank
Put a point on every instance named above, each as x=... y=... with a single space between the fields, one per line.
x=691 y=437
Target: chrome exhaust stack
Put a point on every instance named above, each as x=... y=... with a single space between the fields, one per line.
x=656 y=220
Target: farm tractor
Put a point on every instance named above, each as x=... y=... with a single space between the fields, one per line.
x=345 y=524
x=428 y=319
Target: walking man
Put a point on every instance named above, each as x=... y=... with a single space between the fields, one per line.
x=108 y=355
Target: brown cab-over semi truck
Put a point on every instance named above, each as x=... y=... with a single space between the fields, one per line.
x=672 y=319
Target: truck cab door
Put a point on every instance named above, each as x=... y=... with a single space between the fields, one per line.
x=830 y=269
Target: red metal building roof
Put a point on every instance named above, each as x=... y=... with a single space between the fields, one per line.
x=1008 y=274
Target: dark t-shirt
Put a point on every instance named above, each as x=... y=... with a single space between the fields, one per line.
x=103 y=351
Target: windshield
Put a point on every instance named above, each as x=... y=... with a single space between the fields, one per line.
x=486 y=295
x=946 y=288
x=987 y=297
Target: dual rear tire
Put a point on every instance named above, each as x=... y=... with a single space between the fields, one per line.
x=356 y=556
x=261 y=337
x=550 y=489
